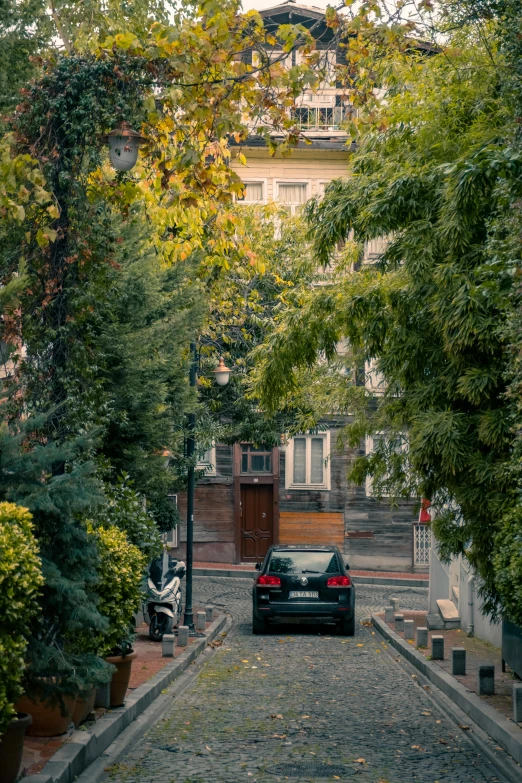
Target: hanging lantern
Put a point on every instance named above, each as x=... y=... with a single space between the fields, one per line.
x=124 y=143
x=221 y=373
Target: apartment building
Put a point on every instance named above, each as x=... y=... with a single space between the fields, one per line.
x=250 y=496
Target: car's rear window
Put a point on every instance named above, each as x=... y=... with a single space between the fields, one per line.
x=284 y=562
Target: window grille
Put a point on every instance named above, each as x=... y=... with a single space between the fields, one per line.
x=421 y=545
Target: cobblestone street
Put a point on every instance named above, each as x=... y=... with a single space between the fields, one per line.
x=298 y=704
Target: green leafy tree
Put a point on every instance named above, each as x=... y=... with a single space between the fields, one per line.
x=430 y=176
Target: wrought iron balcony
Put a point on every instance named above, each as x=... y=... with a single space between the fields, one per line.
x=321 y=117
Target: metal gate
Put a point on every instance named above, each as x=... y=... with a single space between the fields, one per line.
x=421 y=544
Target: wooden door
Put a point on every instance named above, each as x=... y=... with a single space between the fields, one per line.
x=257 y=520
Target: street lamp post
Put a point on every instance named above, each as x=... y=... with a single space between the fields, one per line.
x=222 y=374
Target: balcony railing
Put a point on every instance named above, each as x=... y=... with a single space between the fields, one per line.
x=321 y=117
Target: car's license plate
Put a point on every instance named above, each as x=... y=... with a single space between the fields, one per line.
x=303 y=594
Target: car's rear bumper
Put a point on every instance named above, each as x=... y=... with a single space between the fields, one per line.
x=315 y=609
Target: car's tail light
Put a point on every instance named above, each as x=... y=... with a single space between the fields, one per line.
x=268 y=581
x=339 y=581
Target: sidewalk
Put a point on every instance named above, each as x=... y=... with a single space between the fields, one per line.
x=362 y=577
x=493 y=714
x=39 y=750
x=478 y=653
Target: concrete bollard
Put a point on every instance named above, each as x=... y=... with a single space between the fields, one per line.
x=167 y=645
x=103 y=696
x=388 y=615
x=422 y=637
x=517 y=702
x=458 y=660
x=209 y=612
x=183 y=633
x=395 y=603
x=201 y=619
x=399 y=623
x=409 y=630
x=486 y=680
x=437 y=648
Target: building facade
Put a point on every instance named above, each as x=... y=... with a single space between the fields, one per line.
x=250 y=497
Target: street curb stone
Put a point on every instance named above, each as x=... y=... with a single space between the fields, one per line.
x=84 y=747
x=358 y=580
x=499 y=728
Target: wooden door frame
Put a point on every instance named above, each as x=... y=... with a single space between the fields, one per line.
x=262 y=478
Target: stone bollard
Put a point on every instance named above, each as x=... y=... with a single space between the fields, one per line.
x=183 y=633
x=437 y=648
x=395 y=603
x=486 y=680
x=409 y=629
x=399 y=623
x=458 y=660
x=201 y=621
x=167 y=645
x=103 y=696
x=422 y=637
x=388 y=615
x=517 y=702
x=209 y=611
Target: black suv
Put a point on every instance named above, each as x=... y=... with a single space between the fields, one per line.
x=304 y=581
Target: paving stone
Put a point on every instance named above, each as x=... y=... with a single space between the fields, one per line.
x=299 y=703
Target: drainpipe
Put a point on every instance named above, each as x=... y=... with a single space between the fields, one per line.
x=471 y=606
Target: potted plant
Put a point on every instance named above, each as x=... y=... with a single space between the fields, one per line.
x=120 y=572
x=20 y=581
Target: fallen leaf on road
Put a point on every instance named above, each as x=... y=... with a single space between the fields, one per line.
x=276 y=716
x=360 y=761
x=279 y=736
x=463 y=727
x=360 y=645
x=245 y=661
x=418 y=747
x=427 y=713
x=207 y=747
x=443 y=742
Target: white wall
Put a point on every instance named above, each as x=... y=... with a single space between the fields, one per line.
x=457 y=582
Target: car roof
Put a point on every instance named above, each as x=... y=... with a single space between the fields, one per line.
x=313 y=547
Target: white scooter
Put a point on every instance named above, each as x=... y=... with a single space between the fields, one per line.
x=162 y=606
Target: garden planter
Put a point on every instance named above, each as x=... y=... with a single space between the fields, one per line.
x=83 y=708
x=48 y=720
x=11 y=748
x=121 y=677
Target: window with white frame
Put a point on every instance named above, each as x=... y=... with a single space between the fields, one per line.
x=207 y=462
x=292 y=194
x=254 y=193
x=307 y=462
x=373 y=443
x=373 y=379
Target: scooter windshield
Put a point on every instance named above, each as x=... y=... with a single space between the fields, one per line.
x=162 y=570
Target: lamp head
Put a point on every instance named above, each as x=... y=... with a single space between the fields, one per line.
x=222 y=373
x=124 y=143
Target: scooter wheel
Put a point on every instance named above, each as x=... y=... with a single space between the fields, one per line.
x=160 y=625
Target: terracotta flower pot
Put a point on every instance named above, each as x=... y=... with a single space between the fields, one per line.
x=121 y=677
x=83 y=708
x=48 y=720
x=11 y=748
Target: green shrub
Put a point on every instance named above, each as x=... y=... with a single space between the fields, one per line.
x=120 y=571
x=507 y=564
x=125 y=509
x=20 y=581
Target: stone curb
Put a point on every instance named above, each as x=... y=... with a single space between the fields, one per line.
x=499 y=728
x=84 y=747
x=359 y=580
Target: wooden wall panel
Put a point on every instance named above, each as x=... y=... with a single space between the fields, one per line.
x=213 y=513
x=297 y=527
